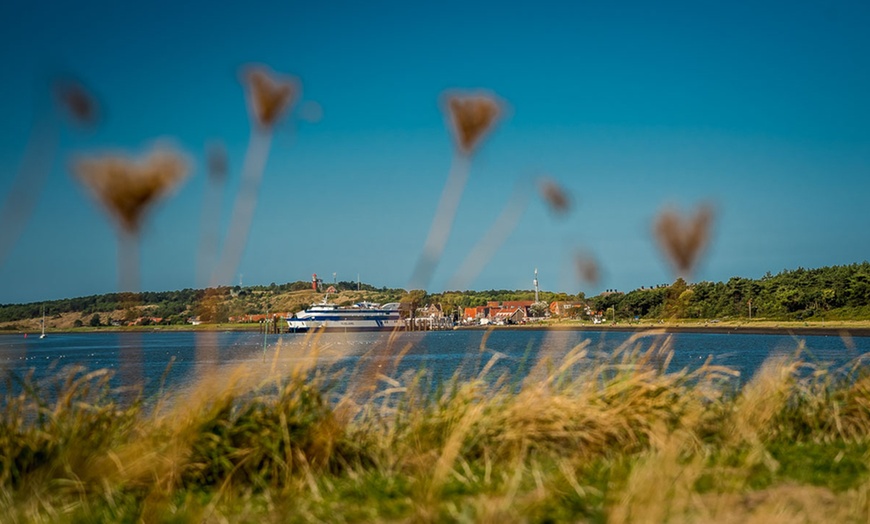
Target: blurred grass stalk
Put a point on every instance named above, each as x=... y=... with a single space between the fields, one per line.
x=270 y=97
x=217 y=169
x=245 y=204
x=442 y=223
x=127 y=189
x=80 y=106
x=497 y=234
x=28 y=182
x=471 y=117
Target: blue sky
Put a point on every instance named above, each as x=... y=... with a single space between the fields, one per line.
x=759 y=108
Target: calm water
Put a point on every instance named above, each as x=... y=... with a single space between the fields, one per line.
x=146 y=357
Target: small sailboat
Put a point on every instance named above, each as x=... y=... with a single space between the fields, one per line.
x=43 y=323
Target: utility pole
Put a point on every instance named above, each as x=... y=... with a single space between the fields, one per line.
x=750 y=308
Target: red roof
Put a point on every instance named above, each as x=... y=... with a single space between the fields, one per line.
x=517 y=303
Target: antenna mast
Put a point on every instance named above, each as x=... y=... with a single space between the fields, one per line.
x=536 y=285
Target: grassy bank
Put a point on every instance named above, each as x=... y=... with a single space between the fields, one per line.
x=579 y=437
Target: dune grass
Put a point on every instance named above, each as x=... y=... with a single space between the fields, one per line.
x=579 y=437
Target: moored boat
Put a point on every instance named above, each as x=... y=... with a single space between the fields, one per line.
x=363 y=316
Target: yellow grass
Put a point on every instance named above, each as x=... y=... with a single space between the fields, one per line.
x=580 y=437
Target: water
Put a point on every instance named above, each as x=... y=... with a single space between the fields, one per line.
x=176 y=357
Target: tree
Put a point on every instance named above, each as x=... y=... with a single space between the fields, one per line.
x=678 y=300
x=539 y=309
x=410 y=301
x=130 y=314
x=95 y=320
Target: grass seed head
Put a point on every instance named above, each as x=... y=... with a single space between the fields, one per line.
x=587 y=268
x=684 y=240
x=77 y=101
x=127 y=188
x=472 y=116
x=554 y=195
x=269 y=95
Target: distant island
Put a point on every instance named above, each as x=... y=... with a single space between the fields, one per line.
x=827 y=294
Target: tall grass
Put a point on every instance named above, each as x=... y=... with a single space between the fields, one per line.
x=579 y=437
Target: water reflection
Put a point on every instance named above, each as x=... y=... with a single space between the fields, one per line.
x=147 y=358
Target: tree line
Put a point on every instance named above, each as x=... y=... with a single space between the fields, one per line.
x=166 y=304
x=834 y=292
x=175 y=307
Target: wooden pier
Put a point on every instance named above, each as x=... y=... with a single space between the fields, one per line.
x=428 y=324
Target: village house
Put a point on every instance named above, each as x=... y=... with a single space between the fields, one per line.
x=509 y=315
x=472 y=314
x=509 y=311
x=567 y=309
x=431 y=311
x=526 y=304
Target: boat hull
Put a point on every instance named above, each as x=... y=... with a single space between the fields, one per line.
x=301 y=326
x=304 y=327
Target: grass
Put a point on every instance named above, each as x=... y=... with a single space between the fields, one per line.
x=580 y=437
x=743 y=323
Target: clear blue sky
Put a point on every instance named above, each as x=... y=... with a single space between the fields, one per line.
x=760 y=108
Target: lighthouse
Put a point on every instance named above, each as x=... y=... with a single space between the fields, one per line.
x=314 y=282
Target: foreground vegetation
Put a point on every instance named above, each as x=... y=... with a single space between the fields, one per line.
x=578 y=437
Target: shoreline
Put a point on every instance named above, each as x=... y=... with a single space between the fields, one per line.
x=219 y=328
x=781 y=328
x=856 y=331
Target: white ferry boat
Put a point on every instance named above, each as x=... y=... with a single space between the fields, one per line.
x=364 y=316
